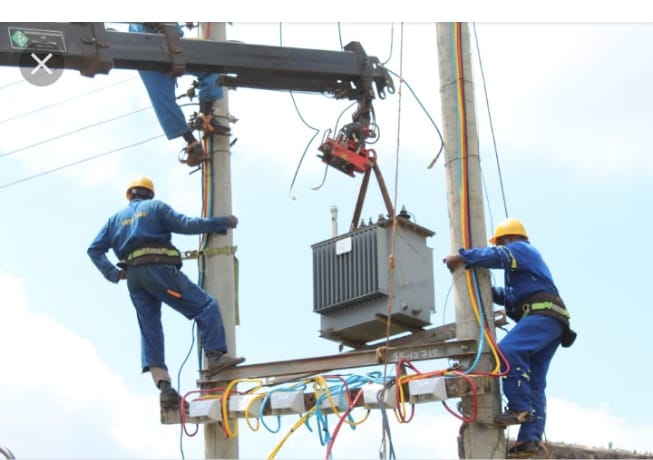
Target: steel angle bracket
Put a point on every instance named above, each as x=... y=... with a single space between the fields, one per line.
x=281 y=370
x=95 y=49
x=174 y=49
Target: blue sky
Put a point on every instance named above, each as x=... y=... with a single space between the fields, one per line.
x=571 y=112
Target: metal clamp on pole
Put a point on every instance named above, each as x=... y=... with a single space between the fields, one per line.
x=96 y=53
x=174 y=48
x=225 y=250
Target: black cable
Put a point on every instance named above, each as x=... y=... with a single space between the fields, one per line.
x=427 y=114
x=340 y=36
x=392 y=41
x=64 y=100
x=75 y=163
x=13 y=83
x=301 y=117
x=92 y=125
x=326 y=168
x=489 y=113
x=386 y=428
x=6 y=453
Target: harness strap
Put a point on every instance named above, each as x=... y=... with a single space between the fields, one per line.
x=146 y=251
x=539 y=306
x=224 y=250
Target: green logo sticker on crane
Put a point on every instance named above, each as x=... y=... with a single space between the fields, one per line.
x=42 y=59
x=20 y=38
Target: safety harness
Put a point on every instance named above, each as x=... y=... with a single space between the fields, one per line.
x=544 y=306
x=154 y=255
x=550 y=308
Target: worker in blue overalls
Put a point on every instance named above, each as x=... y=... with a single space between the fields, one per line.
x=532 y=300
x=161 y=90
x=140 y=237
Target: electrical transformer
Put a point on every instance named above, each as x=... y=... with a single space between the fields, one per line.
x=353 y=281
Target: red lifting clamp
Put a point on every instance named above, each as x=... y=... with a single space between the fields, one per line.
x=345 y=155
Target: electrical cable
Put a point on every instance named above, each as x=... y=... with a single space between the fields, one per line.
x=75 y=163
x=383 y=453
x=471 y=277
x=92 y=125
x=340 y=422
x=426 y=112
x=391 y=261
x=489 y=113
x=292 y=430
x=301 y=117
x=392 y=41
x=183 y=363
x=63 y=101
x=22 y=80
x=335 y=129
x=182 y=405
x=225 y=404
x=308 y=144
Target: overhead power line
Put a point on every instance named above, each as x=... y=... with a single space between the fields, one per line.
x=54 y=104
x=92 y=125
x=75 y=163
x=489 y=113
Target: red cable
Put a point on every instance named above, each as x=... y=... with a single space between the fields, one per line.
x=340 y=422
x=474 y=400
x=182 y=410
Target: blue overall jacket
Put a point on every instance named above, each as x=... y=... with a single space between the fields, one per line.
x=145 y=223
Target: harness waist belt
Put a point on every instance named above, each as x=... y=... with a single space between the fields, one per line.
x=153 y=251
x=539 y=306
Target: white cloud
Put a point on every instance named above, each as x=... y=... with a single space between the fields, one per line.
x=59 y=400
x=595 y=426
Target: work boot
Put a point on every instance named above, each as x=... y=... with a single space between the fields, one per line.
x=210 y=125
x=194 y=154
x=511 y=417
x=217 y=361
x=525 y=449
x=169 y=398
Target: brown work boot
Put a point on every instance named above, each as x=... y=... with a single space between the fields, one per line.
x=169 y=398
x=194 y=154
x=511 y=417
x=217 y=361
x=526 y=449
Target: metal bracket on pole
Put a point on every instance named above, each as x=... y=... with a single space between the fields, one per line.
x=174 y=49
x=96 y=54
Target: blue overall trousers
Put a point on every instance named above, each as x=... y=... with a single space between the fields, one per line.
x=153 y=284
x=529 y=348
x=161 y=90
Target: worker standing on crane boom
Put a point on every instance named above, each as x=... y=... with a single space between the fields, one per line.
x=140 y=236
x=160 y=88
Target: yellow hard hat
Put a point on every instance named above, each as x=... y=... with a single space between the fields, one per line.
x=144 y=182
x=508 y=227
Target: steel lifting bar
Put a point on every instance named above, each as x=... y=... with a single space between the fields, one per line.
x=91 y=49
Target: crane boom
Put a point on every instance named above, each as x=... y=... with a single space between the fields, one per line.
x=92 y=49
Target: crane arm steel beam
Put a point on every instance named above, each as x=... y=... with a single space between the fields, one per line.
x=92 y=49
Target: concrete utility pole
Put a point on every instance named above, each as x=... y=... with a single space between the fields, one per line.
x=479 y=439
x=220 y=268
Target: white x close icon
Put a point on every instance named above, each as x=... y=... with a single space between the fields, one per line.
x=41 y=63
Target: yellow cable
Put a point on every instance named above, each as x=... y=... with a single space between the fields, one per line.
x=258 y=424
x=476 y=309
x=225 y=404
x=299 y=422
